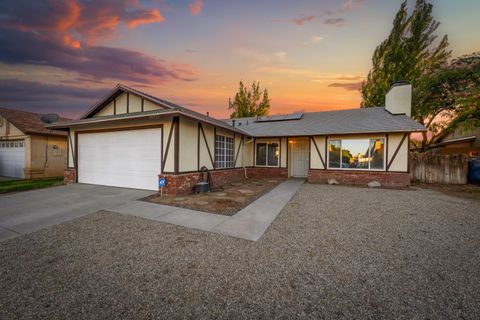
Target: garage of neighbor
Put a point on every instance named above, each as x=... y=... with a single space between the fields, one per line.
x=12 y=158
x=127 y=158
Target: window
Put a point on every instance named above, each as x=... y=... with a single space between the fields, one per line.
x=223 y=152
x=359 y=154
x=267 y=154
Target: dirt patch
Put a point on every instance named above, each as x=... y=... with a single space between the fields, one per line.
x=227 y=200
x=465 y=191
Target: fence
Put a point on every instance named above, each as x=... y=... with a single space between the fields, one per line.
x=438 y=168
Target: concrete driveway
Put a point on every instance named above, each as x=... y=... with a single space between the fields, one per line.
x=25 y=212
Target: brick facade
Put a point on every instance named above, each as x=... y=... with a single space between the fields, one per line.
x=388 y=179
x=70 y=176
x=184 y=183
x=267 y=172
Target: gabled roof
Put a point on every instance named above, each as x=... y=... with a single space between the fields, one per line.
x=353 y=121
x=29 y=122
x=362 y=120
x=169 y=109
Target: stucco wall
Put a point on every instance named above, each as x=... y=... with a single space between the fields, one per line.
x=400 y=163
x=48 y=156
x=188 y=145
x=315 y=160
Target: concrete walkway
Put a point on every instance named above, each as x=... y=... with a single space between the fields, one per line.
x=250 y=223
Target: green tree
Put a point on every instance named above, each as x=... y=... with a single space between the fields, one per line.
x=449 y=99
x=409 y=53
x=249 y=103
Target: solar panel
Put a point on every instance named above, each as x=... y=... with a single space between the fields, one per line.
x=281 y=117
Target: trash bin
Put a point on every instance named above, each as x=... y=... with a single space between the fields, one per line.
x=474 y=171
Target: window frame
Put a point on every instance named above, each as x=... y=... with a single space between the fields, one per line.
x=224 y=150
x=266 y=154
x=358 y=169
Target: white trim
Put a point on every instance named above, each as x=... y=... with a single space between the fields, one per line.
x=358 y=169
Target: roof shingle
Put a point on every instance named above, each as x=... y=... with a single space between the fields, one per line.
x=29 y=122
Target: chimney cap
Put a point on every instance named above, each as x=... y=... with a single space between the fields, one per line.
x=399 y=83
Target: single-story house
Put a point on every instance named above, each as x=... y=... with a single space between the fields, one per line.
x=130 y=139
x=459 y=141
x=28 y=150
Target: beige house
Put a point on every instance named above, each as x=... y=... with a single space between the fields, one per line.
x=27 y=149
x=130 y=139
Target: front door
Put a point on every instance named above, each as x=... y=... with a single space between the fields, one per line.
x=299 y=152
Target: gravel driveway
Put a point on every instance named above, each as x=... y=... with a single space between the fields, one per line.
x=334 y=252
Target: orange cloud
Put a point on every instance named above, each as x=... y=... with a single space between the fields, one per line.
x=146 y=17
x=71 y=17
x=195 y=7
x=68 y=41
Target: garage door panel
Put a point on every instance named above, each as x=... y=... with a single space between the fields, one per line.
x=12 y=158
x=129 y=158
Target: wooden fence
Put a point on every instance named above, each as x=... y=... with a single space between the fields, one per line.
x=438 y=168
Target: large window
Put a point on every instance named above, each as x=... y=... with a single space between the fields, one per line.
x=267 y=154
x=223 y=152
x=360 y=154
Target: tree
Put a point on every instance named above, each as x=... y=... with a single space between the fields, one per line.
x=445 y=93
x=449 y=99
x=407 y=54
x=249 y=103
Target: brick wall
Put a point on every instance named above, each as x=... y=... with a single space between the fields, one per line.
x=389 y=179
x=184 y=183
x=70 y=176
x=265 y=172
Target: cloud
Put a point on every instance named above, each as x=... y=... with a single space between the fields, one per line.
x=353 y=86
x=145 y=17
x=337 y=22
x=70 y=101
x=92 y=61
x=351 y=4
x=195 y=7
x=314 y=40
x=349 y=77
x=302 y=20
x=280 y=56
x=51 y=41
x=86 y=20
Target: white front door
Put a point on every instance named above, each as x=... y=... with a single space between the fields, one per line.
x=129 y=158
x=299 y=149
x=12 y=158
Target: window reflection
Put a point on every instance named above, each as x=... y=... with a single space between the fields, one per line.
x=364 y=154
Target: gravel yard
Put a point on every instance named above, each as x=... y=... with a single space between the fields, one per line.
x=334 y=252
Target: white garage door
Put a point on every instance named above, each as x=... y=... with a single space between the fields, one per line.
x=129 y=158
x=12 y=158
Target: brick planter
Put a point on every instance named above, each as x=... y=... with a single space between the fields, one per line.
x=266 y=172
x=70 y=176
x=388 y=179
x=184 y=183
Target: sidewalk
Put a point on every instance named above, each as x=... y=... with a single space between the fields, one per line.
x=250 y=223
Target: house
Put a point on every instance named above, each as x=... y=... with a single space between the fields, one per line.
x=459 y=142
x=130 y=139
x=28 y=150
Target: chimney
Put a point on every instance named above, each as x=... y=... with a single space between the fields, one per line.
x=208 y=114
x=399 y=98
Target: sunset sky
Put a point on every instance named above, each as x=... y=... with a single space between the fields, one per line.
x=62 y=56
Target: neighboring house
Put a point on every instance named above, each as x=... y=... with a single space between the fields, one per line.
x=28 y=150
x=459 y=142
x=129 y=139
